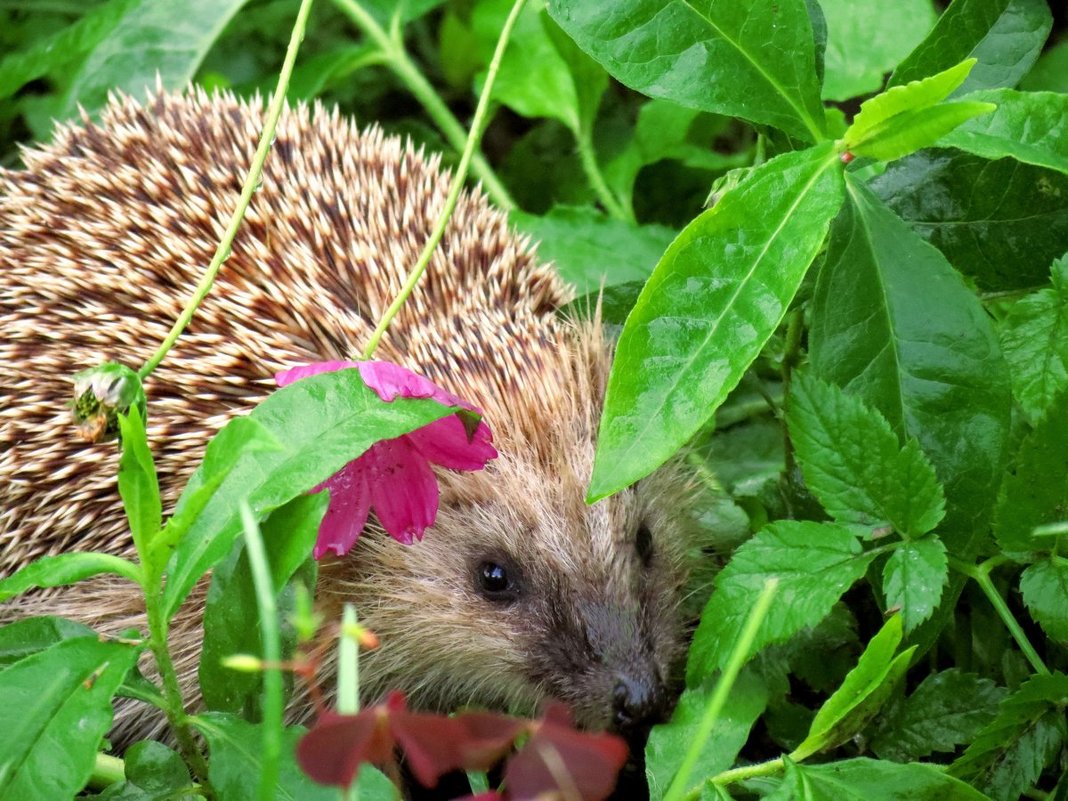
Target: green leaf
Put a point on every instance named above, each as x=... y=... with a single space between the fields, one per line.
x=155 y=769
x=814 y=563
x=1035 y=491
x=864 y=690
x=853 y=464
x=1009 y=754
x=615 y=301
x=288 y=535
x=67 y=568
x=1044 y=586
x=235 y=757
x=325 y=421
x=29 y=635
x=1031 y=127
x=154 y=40
x=1050 y=73
x=1034 y=335
x=866 y=38
x=947 y=709
x=668 y=743
x=1005 y=36
x=589 y=247
x=999 y=222
x=138 y=484
x=715 y=298
x=913 y=579
x=893 y=324
x=871 y=780
x=751 y=60
x=57 y=708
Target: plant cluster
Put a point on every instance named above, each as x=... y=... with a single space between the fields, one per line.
x=833 y=240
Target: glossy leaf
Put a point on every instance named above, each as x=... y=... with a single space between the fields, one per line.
x=1005 y=36
x=814 y=563
x=1034 y=335
x=913 y=578
x=156 y=40
x=153 y=772
x=866 y=39
x=853 y=463
x=324 y=421
x=138 y=484
x=945 y=710
x=1044 y=586
x=29 y=635
x=67 y=568
x=230 y=611
x=999 y=222
x=750 y=60
x=865 y=779
x=912 y=130
x=715 y=298
x=895 y=325
x=1031 y=127
x=57 y=708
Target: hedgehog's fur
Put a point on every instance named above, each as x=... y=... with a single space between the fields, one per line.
x=102 y=238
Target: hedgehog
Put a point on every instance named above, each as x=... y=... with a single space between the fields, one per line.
x=520 y=591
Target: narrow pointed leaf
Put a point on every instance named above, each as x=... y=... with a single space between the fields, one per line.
x=64 y=569
x=715 y=298
x=138 y=484
x=864 y=779
x=912 y=130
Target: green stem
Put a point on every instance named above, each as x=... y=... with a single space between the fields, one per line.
x=588 y=156
x=272 y=654
x=348 y=676
x=981 y=575
x=107 y=770
x=738 y=657
x=398 y=60
x=252 y=180
x=769 y=768
x=455 y=187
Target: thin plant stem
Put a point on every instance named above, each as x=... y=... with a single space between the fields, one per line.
x=272 y=654
x=981 y=575
x=107 y=770
x=455 y=187
x=348 y=676
x=588 y=157
x=398 y=60
x=678 y=789
x=252 y=180
x=769 y=768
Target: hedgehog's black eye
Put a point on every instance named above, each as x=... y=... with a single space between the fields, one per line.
x=643 y=544
x=495 y=583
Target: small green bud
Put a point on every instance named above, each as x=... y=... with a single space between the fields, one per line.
x=100 y=394
x=245 y=663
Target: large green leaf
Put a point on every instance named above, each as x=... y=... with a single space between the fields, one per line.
x=715 y=298
x=1031 y=127
x=864 y=779
x=814 y=564
x=753 y=60
x=66 y=568
x=56 y=709
x=324 y=421
x=894 y=324
x=155 y=40
x=866 y=38
x=1000 y=222
x=29 y=635
x=1005 y=36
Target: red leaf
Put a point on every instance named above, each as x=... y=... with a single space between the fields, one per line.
x=331 y=753
x=435 y=744
x=559 y=760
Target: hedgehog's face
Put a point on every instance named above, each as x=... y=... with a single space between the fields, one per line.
x=522 y=592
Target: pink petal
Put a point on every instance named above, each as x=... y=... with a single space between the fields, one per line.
x=444 y=442
x=296 y=373
x=404 y=492
x=350 y=502
x=391 y=381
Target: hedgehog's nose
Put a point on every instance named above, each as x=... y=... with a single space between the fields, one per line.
x=639 y=703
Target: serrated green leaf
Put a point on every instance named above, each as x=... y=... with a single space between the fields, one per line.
x=866 y=38
x=324 y=422
x=1009 y=754
x=668 y=742
x=751 y=60
x=56 y=709
x=1005 y=36
x=67 y=568
x=852 y=461
x=715 y=298
x=1034 y=335
x=1044 y=586
x=138 y=484
x=1035 y=491
x=945 y=710
x=814 y=564
x=864 y=779
x=1031 y=127
x=999 y=222
x=913 y=579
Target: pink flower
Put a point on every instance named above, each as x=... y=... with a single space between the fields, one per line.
x=394 y=476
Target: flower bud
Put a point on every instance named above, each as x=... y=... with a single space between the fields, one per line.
x=244 y=663
x=100 y=394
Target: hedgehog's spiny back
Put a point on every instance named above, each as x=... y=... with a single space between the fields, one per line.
x=106 y=232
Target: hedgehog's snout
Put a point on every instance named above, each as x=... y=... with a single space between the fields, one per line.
x=640 y=701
